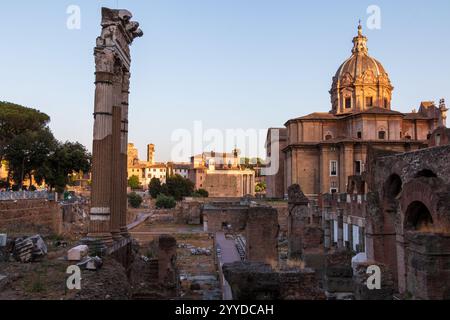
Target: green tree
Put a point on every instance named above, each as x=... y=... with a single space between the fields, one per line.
x=66 y=158
x=179 y=187
x=165 y=202
x=155 y=188
x=16 y=120
x=135 y=200
x=133 y=182
x=27 y=152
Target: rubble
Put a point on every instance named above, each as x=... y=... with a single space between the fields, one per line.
x=201 y=252
x=77 y=253
x=29 y=249
x=91 y=264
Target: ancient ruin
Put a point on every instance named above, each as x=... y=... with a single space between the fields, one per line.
x=109 y=164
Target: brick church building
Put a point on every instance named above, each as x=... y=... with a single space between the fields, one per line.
x=321 y=150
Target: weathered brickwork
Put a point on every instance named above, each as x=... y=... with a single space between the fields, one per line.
x=38 y=215
x=259 y=281
x=262 y=235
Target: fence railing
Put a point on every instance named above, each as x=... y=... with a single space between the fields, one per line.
x=26 y=195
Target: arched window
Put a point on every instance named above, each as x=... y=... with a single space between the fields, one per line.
x=382 y=135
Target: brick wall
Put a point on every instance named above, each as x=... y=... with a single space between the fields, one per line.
x=37 y=215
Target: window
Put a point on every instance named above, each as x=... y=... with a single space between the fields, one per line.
x=333 y=190
x=358 y=167
x=369 y=101
x=386 y=103
x=328 y=137
x=333 y=168
x=438 y=140
x=382 y=135
x=348 y=103
x=359 y=134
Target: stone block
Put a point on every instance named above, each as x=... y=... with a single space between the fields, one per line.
x=77 y=253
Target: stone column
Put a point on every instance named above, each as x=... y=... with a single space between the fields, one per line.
x=112 y=58
x=100 y=212
x=326 y=228
x=116 y=161
x=362 y=239
x=123 y=152
x=331 y=223
x=340 y=222
x=350 y=236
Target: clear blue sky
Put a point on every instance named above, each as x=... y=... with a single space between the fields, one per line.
x=229 y=63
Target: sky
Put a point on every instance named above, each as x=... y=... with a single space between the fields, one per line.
x=231 y=64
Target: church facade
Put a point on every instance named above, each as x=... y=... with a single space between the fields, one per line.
x=324 y=148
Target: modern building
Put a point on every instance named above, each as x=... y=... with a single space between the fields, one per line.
x=324 y=148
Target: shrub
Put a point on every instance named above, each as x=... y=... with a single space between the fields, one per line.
x=201 y=193
x=135 y=200
x=165 y=202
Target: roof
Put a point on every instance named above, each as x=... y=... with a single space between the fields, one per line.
x=378 y=110
x=331 y=116
x=416 y=116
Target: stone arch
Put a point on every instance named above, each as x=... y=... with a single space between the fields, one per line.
x=418 y=217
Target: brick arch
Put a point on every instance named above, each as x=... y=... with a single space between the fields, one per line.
x=418 y=218
x=422 y=191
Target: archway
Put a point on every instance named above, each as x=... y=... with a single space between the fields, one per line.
x=418 y=218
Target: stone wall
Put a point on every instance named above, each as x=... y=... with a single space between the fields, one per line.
x=408 y=202
x=39 y=216
x=259 y=281
x=262 y=235
x=190 y=212
x=217 y=215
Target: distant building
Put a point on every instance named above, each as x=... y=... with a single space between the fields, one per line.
x=145 y=170
x=181 y=169
x=276 y=183
x=221 y=175
x=151 y=154
x=322 y=150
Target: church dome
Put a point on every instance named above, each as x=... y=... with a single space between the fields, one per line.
x=361 y=82
x=359 y=66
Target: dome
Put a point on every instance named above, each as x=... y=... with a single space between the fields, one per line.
x=360 y=65
x=361 y=82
